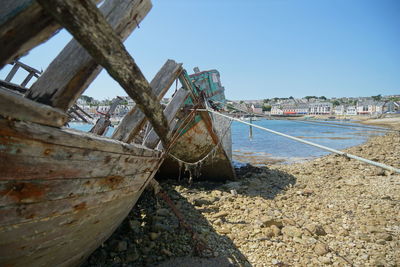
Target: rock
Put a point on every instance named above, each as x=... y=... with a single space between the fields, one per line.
x=135 y=225
x=154 y=236
x=132 y=256
x=268 y=221
x=166 y=252
x=221 y=214
x=224 y=231
x=384 y=236
x=234 y=192
x=122 y=246
x=316 y=229
x=163 y=212
x=201 y=202
x=275 y=230
x=218 y=221
x=321 y=249
x=292 y=231
x=268 y=232
x=325 y=260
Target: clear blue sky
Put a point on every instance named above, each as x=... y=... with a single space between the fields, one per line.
x=265 y=48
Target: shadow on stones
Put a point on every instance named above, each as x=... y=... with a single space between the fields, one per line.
x=152 y=236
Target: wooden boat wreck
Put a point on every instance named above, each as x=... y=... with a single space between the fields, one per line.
x=63 y=192
x=204 y=146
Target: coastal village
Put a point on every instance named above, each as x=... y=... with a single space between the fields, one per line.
x=373 y=106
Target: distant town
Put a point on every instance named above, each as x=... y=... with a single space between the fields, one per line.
x=277 y=106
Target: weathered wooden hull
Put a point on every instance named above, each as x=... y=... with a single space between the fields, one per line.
x=208 y=139
x=62 y=192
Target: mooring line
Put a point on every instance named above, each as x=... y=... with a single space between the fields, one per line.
x=377 y=164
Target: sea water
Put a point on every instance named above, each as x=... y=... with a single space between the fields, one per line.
x=265 y=148
x=278 y=148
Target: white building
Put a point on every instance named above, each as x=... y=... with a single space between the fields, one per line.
x=276 y=110
x=321 y=108
x=351 y=110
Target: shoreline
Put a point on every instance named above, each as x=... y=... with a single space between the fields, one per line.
x=327 y=211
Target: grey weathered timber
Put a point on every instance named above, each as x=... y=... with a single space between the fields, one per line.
x=73 y=110
x=133 y=122
x=170 y=111
x=23 y=25
x=104 y=122
x=64 y=191
x=88 y=26
x=12 y=86
x=71 y=72
x=81 y=110
x=12 y=72
x=16 y=107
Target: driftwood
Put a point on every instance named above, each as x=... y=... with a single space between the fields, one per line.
x=16 y=107
x=71 y=72
x=134 y=121
x=170 y=111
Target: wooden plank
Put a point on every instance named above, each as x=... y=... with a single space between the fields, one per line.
x=170 y=111
x=63 y=240
x=70 y=138
x=27 y=79
x=19 y=108
x=13 y=86
x=23 y=25
x=102 y=124
x=132 y=123
x=12 y=72
x=85 y=22
x=71 y=72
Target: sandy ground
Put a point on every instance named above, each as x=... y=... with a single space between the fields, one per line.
x=329 y=211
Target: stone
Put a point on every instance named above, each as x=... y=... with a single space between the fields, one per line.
x=218 y=221
x=166 y=252
x=316 y=229
x=134 y=225
x=234 y=192
x=292 y=231
x=384 y=236
x=321 y=249
x=122 y=246
x=154 y=236
x=325 y=260
x=269 y=221
x=163 y=212
x=275 y=230
x=221 y=214
x=132 y=256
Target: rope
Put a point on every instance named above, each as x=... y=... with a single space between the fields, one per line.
x=377 y=164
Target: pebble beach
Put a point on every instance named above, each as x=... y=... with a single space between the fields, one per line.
x=328 y=211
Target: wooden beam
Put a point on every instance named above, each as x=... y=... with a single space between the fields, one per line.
x=13 y=86
x=170 y=111
x=27 y=79
x=23 y=25
x=134 y=121
x=88 y=26
x=102 y=124
x=12 y=72
x=72 y=71
x=15 y=106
